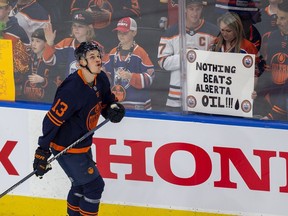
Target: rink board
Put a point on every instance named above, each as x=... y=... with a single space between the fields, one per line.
x=28 y=206
x=150 y=165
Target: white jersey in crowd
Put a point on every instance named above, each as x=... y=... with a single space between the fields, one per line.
x=169 y=57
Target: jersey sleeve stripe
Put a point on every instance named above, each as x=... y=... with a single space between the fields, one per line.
x=53 y=119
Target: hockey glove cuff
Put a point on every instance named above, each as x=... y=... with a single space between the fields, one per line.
x=116 y=112
x=40 y=162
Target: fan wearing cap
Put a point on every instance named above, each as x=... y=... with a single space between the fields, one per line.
x=199 y=35
x=63 y=52
x=106 y=14
x=130 y=68
x=39 y=85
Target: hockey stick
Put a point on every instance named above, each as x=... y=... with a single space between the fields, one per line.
x=55 y=157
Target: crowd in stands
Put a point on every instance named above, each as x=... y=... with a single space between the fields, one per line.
x=139 y=40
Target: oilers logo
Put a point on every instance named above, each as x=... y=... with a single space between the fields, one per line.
x=191 y=56
x=73 y=67
x=191 y=101
x=119 y=92
x=279 y=65
x=247 y=61
x=90 y=170
x=93 y=117
x=281 y=57
x=118 y=80
x=33 y=91
x=246 y=106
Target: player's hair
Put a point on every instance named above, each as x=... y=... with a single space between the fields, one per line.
x=84 y=47
x=233 y=21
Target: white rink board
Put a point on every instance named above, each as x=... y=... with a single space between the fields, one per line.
x=24 y=127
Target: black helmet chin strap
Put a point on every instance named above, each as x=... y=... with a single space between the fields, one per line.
x=86 y=66
x=89 y=70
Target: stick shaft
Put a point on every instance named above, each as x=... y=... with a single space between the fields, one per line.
x=55 y=157
x=17 y=184
x=78 y=141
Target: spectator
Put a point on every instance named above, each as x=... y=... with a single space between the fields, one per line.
x=101 y=11
x=249 y=15
x=130 y=68
x=269 y=22
x=39 y=85
x=168 y=51
x=272 y=87
x=63 y=52
x=20 y=45
x=231 y=37
x=30 y=15
x=268 y=18
x=106 y=14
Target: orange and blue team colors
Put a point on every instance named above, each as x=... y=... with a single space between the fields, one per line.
x=61 y=126
x=276 y=75
x=132 y=93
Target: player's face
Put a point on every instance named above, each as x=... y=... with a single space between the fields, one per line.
x=94 y=61
x=37 y=45
x=193 y=13
x=227 y=33
x=282 y=21
x=125 y=38
x=79 y=31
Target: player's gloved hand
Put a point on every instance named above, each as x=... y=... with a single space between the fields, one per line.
x=40 y=162
x=116 y=112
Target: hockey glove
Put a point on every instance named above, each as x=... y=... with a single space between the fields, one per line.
x=40 y=162
x=116 y=112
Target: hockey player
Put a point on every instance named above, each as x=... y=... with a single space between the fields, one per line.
x=80 y=100
x=199 y=35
